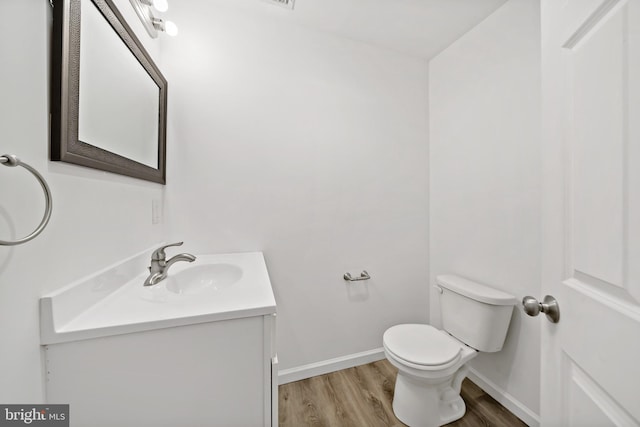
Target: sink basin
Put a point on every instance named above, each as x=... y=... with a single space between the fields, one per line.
x=203 y=278
x=114 y=301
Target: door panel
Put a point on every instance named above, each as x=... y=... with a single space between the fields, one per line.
x=598 y=331
x=591 y=211
x=632 y=154
x=588 y=404
x=598 y=145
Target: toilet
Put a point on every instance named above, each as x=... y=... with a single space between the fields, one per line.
x=432 y=363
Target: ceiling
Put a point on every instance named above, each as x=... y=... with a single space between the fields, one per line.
x=420 y=28
x=416 y=27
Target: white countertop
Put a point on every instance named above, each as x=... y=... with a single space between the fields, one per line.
x=98 y=306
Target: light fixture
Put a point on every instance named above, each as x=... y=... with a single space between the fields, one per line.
x=167 y=26
x=150 y=22
x=159 y=5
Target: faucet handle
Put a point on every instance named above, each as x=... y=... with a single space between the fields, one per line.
x=159 y=255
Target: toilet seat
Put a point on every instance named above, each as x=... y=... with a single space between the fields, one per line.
x=422 y=346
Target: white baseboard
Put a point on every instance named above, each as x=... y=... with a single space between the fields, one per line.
x=516 y=407
x=330 y=365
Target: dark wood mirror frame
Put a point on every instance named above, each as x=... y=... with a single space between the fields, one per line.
x=65 y=145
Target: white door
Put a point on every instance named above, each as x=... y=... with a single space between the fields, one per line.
x=591 y=212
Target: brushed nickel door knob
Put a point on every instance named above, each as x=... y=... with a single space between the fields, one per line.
x=548 y=306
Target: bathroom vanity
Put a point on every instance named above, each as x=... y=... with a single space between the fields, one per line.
x=197 y=349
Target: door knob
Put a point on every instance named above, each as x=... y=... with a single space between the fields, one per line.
x=548 y=306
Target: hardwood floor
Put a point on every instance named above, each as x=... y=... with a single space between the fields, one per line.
x=362 y=396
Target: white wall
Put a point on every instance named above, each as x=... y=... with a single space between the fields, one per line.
x=313 y=149
x=485 y=178
x=309 y=147
x=98 y=218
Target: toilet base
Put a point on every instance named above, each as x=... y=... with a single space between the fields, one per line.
x=420 y=403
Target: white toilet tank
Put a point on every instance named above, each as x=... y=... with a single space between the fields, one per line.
x=476 y=314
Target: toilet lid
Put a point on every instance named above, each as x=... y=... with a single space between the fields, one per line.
x=421 y=344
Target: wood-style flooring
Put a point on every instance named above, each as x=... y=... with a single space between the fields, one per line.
x=362 y=397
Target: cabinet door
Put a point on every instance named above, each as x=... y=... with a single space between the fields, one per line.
x=203 y=374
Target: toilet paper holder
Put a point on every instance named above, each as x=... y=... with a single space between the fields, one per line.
x=363 y=276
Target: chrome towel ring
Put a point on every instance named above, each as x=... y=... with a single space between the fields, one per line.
x=12 y=161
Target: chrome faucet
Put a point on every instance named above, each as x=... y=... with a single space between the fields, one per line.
x=160 y=266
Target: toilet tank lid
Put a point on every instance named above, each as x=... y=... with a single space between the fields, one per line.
x=475 y=290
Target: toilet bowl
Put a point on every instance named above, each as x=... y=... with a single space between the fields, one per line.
x=429 y=362
x=432 y=363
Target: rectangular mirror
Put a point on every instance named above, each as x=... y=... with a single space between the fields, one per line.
x=109 y=99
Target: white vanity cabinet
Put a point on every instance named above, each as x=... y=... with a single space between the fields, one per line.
x=208 y=374
x=212 y=368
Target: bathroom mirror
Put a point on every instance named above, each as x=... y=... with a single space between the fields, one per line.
x=109 y=99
